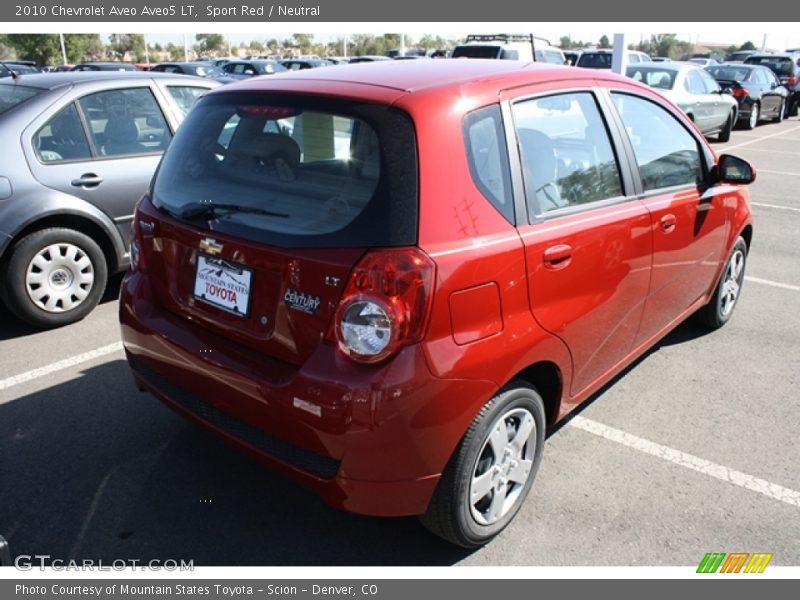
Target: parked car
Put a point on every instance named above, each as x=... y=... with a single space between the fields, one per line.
x=695 y=92
x=786 y=67
x=390 y=296
x=703 y=62
x=525 y=47
x=660 y=59
x=9 y=68
x=571 y=56
x=244 y=69
x=364 y=58
x=78 y=150
x=602 y=59
x=199 y=69
x=300 y=64
x=739 y=56
x=757 y=90
x=104 y=66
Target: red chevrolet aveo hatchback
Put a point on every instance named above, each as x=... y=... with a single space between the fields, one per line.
x=388 y=280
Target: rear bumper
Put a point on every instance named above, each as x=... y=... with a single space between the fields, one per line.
x=370 y=440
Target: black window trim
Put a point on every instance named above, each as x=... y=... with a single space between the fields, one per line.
x=503 y=139
x=534 y=214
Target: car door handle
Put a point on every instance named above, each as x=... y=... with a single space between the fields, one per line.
x=87 y=180
x=557 y=257
x=668 y=223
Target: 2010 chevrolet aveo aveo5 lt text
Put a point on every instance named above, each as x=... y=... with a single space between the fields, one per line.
x=388 y=280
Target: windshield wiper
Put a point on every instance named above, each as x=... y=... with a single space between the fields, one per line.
x=210 y=210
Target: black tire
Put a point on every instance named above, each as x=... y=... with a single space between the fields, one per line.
x=452 y=514
x=73 y=277
x=781 y=112
x=793 y=108
x=720 y=308
x=755 y=115
x=725 y=133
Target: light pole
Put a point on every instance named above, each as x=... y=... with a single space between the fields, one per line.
x=63 y=49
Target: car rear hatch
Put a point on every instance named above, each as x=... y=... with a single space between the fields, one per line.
x=262 y=206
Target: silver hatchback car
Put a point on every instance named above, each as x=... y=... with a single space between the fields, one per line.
x=76 y=151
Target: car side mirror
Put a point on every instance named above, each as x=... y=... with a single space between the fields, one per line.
x=732 y=169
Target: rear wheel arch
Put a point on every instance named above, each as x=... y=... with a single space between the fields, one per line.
x=747 y=234
x=546 y=378
x=81 y=224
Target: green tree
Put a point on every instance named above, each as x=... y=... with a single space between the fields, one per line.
x=82 y=47
x=210 y=43
x=748 y=45
x=303 y=42
x=176 y=53
x=122 y=45
x=44 y=48
x=430 y=42
x=604 y=43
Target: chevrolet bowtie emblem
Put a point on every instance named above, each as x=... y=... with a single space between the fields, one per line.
x=210 y=246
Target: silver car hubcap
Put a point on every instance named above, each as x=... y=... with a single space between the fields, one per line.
x=59 y=278
x=503 y=466
x=731 y=283
x=754 y=116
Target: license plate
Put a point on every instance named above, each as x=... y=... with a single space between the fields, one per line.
x=223 y=284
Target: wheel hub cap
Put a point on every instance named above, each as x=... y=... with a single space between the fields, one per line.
x=731 y=283
x=503 y=466
x=59 y=278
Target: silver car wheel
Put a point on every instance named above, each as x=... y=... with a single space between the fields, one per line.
x=59 y=277
x=754 y=115
x=731 y=283
x=503 y=466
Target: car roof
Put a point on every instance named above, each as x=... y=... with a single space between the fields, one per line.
x=772 y=55
x=49 y=81
x=415 y=75
x=674 y=65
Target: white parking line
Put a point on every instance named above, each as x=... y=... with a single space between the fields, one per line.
x=689 y=461
x=761 y=139
x=58 y=366
x=786 y=173
x=778 y=206
x=777 y=284
x=774 y=151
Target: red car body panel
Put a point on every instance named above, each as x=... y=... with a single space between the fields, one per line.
x=581 y=295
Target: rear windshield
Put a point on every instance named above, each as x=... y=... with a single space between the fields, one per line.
x=595 y=60
x=782 y=65
x=12 y=95
x=293 y=172
x=476 y=52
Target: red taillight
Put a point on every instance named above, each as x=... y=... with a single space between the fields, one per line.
x=792 y=81
x=385 y=305
x=137 y=256
x=739 y=92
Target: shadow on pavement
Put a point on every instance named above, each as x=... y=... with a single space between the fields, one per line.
x=92 y=468
x=11 y=327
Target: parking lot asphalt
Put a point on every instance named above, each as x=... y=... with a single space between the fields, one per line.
x=691 y=450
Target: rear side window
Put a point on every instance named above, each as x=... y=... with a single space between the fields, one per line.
x=294 y=173
x=488 y=158
x=62 y=138
x=566 y=154
x=12 y=95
